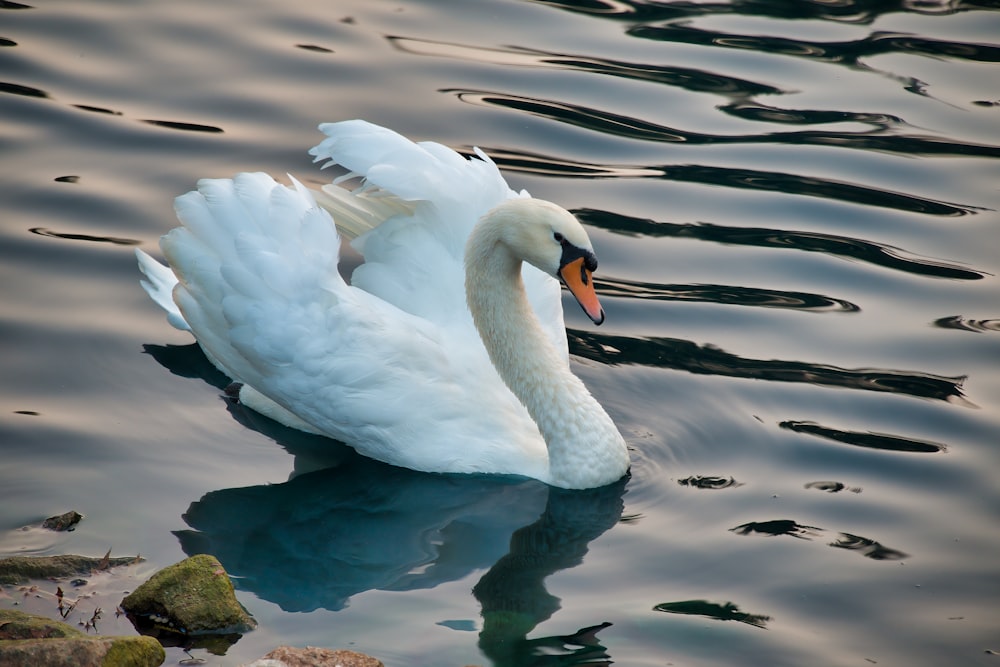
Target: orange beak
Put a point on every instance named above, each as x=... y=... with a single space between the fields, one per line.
x=577 y=277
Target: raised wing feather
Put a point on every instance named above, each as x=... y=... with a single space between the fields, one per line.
x=414 y=259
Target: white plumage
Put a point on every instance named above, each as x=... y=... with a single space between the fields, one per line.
x=392 y=364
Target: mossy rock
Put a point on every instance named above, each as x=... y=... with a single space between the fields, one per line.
x=83 y=652
x=27 y=640
x=21 y=569
x=19 y=625
x=193 y=597
x=312 y=656
x=134 y=652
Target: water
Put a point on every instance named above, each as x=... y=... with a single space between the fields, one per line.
x=794 y=205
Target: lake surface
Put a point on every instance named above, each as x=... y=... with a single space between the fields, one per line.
x=795 y=210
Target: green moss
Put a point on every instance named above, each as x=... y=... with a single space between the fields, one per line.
x=134 y=652
x=194 y=597
x=20 y=569
x=19 y=625
x=27 y=640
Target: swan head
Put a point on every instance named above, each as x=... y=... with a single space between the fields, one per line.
x=551 y=239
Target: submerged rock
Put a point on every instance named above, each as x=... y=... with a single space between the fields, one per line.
x=27 y=641
x=192 y=597
x=62 y=522
x=21 y=569
x=310 y=656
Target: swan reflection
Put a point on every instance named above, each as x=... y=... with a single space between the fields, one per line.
x=345 y=524
x=325 y=536
x=322 y=537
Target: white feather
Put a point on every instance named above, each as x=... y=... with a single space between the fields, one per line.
x=159 y=285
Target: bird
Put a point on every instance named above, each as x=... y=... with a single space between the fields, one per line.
x=444 y=351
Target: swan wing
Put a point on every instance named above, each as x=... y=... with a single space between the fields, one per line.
x=425 y=199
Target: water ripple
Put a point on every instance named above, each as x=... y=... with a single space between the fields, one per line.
x=315 y=48
x=849 y=53
x=683 y=77
x=727 y=611
x=867 y=547
x=966 y=324
x=752 y=110
x=868 y=440
x=548 y=165
x=187 y=127
x=29 y=91
x=843 y=11
x=18 y=89
x=42 y=231
x=688 y=356
x=95 y=109
x=748 y=179
x=812 y=186
x=762 y=237
x=712 y=482
x=733 y=295
x=831 y=487
x=776 y=528
x=619 y=125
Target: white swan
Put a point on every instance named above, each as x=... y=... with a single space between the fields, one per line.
x=392 y=364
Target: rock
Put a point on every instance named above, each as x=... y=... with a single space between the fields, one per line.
x=83 y=652
x=192 y=597
x=62 y=522
x=310 y=656
x=19 y=625
x=20 y=569
x=28 y=641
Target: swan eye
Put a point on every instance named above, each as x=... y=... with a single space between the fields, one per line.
x=558 y=237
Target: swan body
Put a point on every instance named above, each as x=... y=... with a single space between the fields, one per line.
x=446 y=352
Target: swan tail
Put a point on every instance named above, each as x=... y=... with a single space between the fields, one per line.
x=259 y=286
x=159 y=285
x=250 y=249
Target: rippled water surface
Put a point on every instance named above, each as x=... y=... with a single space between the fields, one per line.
x=794 y=205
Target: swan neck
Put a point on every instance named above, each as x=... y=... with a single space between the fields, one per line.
x=585 y=448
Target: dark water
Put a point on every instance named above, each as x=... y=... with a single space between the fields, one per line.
x=794 y=205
